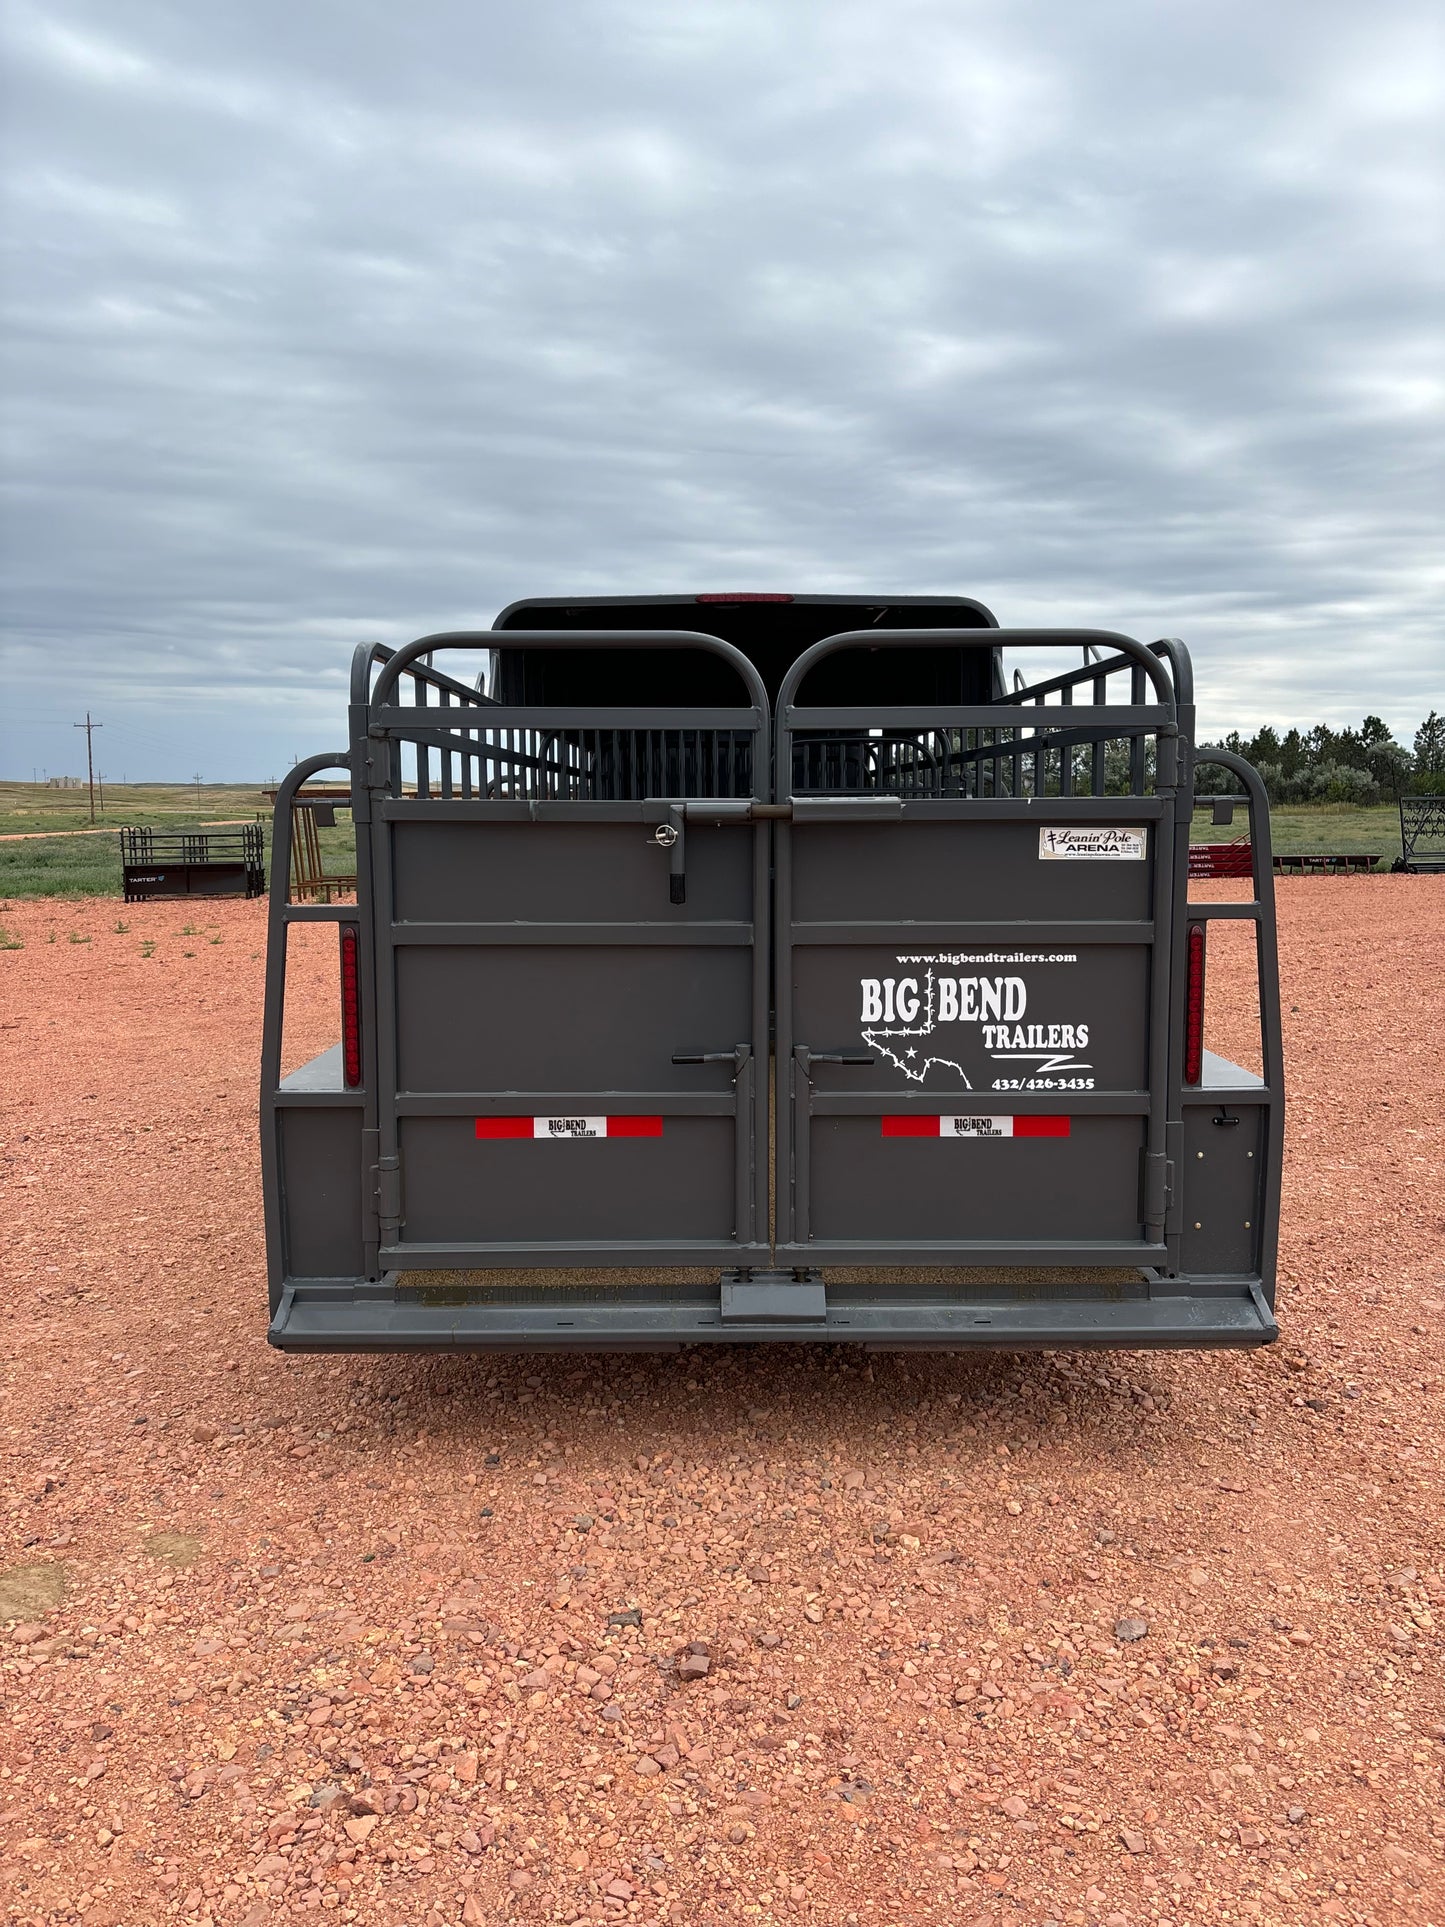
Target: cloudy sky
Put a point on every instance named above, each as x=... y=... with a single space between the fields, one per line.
x=346 y=319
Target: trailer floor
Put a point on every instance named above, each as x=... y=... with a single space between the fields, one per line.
x=987 y=1638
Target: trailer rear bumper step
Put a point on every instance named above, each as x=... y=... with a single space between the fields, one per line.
x=368 y=1318
x=773 y=1298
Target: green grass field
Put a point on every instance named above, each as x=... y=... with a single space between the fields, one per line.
x=1340 y=829
x=46 y=858
x=60 y=865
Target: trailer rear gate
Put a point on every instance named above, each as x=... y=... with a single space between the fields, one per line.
x=674 y=1026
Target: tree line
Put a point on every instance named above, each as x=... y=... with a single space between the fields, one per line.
x=1324 y=765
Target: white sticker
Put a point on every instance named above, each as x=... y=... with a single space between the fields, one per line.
x=975 y=1127
x=569 y=1127
x=1080 y=845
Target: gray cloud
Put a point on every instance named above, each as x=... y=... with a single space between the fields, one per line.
x=331 y=322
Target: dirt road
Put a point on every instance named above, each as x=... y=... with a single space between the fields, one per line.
x=780 y=1635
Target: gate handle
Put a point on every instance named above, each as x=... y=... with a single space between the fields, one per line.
x=806 y=1057
x=738 y=1055
x=671 y=836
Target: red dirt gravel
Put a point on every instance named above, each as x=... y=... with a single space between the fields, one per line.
x=773 y=1635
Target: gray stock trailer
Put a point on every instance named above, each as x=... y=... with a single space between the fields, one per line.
x=746 y=968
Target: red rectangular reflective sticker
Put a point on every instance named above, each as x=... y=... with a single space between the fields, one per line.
x=634 y=1127
x=1041 y=1127
x=504 y=1127
x=910 y=1127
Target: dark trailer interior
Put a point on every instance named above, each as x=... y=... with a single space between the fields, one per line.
x=771 y=630
x=742 y=967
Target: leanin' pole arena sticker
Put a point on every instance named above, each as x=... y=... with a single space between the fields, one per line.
x=1081 y=845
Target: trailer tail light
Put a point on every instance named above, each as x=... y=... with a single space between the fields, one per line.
x=745 y=595
x=1194 y=1005
x=350 y=1006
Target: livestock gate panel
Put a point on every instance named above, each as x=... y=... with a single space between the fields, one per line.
x=572 y=990
x=1422 y=833
x=973 y=996
x=161 y=864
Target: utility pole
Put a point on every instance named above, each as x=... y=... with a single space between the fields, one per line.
x=88 y=726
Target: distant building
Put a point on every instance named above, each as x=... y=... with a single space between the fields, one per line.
x=65 y=783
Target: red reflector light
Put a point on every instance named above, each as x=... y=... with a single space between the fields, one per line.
x=744 y=595
x=1194 y=1005
x=350 y=1006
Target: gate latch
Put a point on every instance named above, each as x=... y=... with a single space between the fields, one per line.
x=737 y=1056
x=807 y=1058
x=670 y=836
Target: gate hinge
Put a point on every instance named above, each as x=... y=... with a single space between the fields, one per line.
x=372 y=761
x=366 y=772
x=1158 y=1184
x=1174 y=1202
x=386 y=1174
x=370 y=1153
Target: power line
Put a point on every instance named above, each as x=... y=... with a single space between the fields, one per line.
x=88 y=726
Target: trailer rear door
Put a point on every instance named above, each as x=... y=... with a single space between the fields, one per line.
x=973 y=989
x=571 y=996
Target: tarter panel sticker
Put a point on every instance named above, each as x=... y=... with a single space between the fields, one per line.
x=1073 y=844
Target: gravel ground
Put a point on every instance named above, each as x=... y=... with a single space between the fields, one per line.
x=783 y=1635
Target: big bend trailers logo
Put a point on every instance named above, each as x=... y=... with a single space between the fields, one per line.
x=967 y=1016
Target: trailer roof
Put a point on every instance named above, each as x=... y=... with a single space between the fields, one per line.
x=661 y=611
x=771 y=628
